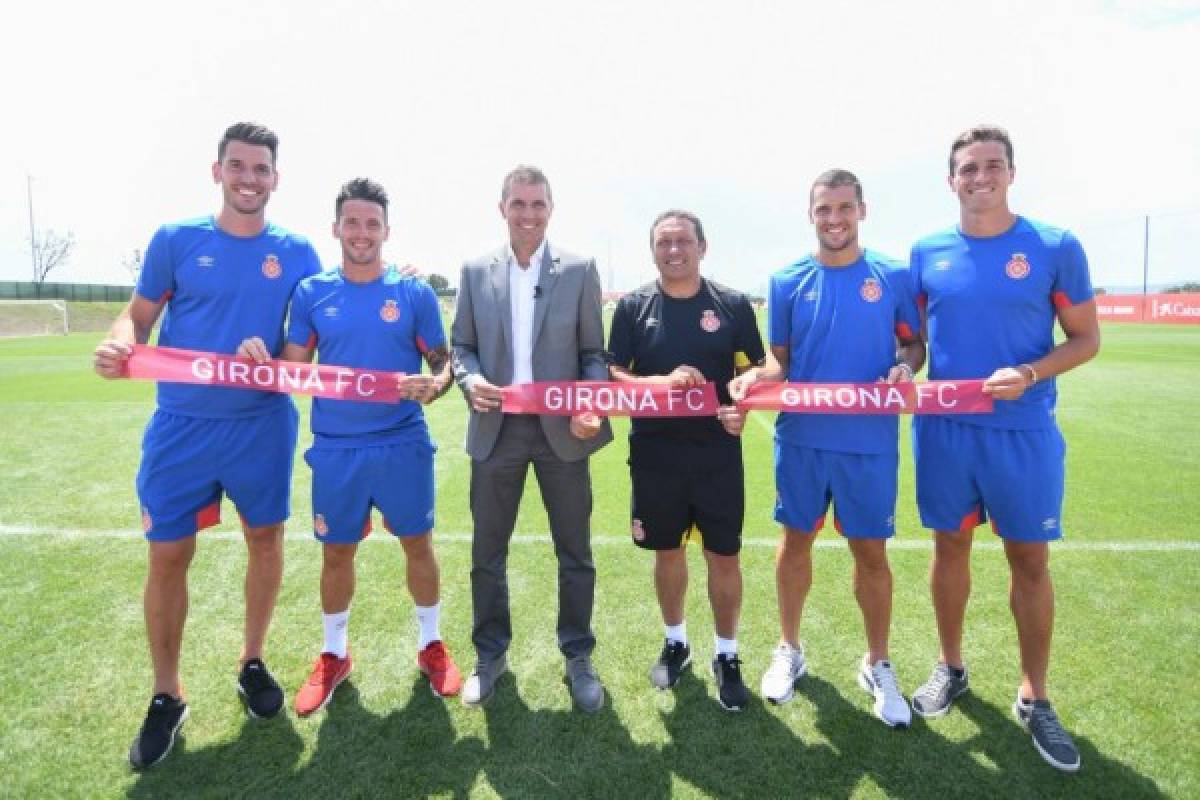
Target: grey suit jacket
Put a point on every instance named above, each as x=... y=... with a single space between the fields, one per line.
x=568 y=340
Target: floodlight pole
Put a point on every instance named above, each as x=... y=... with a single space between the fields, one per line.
x=32 y=230
x=1146 y=255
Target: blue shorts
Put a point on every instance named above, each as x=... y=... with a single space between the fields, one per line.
x=188 y=462
x=397 y=479
x=862 y=487
x=968 y=474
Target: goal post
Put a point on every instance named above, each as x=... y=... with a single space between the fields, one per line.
x=43 y=317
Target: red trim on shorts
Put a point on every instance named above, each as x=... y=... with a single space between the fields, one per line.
x=366 y=531
x=208 y=516
x=167 y=295
x=970 y=521
x=837 y=523
x=992 y=522
x=904 y=331
x=312 y=341
x=1061 y=300
x=421 y=346
x=922 y=300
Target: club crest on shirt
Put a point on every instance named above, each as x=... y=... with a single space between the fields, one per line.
x=1017 y=266
x=709 y=321
x=870 y=290
x=635 y=528
x=389 y=312
x=319 y=525
x=271 y=266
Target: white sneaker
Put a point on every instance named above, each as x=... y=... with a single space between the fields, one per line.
x=787 y=666
x=880 y=681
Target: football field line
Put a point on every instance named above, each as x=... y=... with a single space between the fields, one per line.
x=605 y=540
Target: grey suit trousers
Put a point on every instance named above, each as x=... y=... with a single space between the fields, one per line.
x=497 y=483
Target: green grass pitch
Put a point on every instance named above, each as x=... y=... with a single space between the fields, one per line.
x=74 y=679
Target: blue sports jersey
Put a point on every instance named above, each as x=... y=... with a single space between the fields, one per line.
x=387 y=324
x=840 y=325
x=221 y=289
x=991 y=303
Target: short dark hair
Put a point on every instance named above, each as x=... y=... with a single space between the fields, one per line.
x=524 y=173
x=832 y=179
x=675 y=213
x=250 y=133
x=982 y=133
x=361 y=189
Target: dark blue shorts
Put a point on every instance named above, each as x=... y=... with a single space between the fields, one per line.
x=968 y=474
x=189 y=462
x=861 y=486
x=397 y=479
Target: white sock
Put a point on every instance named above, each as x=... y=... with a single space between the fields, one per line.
x=677 y=633
x=427 y=622
x=726 y=647
x=335 y=632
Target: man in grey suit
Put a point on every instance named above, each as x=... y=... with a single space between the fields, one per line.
x=529 y=312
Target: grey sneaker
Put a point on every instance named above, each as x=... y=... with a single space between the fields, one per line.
x=672 y=661
x=481 y=683
x=586 y=690
x=933 y=698
x=1052 y=741
x=787 y=666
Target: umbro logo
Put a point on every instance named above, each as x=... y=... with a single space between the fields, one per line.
x=205 y=261
x=1049 y=524
x=330 y=311
x=942 y=266
x=651 y=322
x=810 y=295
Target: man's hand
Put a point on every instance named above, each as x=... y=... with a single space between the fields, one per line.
x=741 y=384
x=254 y=348
x=483 y=396
x=585 y=425
x=1007 y=383
x=900 y=373
x=422 y=388
x=732 y=419
x=109 y=357
x=685 y=377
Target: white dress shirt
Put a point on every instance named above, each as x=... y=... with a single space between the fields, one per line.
x=522 y=290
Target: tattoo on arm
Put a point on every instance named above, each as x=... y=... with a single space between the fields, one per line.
x=438 y=359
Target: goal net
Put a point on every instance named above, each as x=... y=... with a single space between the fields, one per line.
x=33 y=317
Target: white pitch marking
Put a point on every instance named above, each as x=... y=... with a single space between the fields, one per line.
x=832 y=542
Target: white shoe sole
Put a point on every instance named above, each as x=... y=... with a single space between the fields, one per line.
x=865 y=682
x=687 y=662
x=941 y=712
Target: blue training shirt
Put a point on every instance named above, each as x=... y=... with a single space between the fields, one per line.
x=840 y=325
x=387 y=324
x=221 y=289
x=992 y=302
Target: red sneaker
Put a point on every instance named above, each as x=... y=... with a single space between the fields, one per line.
x=444 y=678
x=326 y=674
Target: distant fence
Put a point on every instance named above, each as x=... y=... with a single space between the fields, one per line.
x=77 y=292
x=1168 y=309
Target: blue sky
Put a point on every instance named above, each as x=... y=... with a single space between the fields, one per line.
x=728 y=109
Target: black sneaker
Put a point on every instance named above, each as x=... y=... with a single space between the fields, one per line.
x=163 y=720
x=673 y=659
x=933 y=698
x=731 y=692
x=1052 y=741
x=259 y=691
